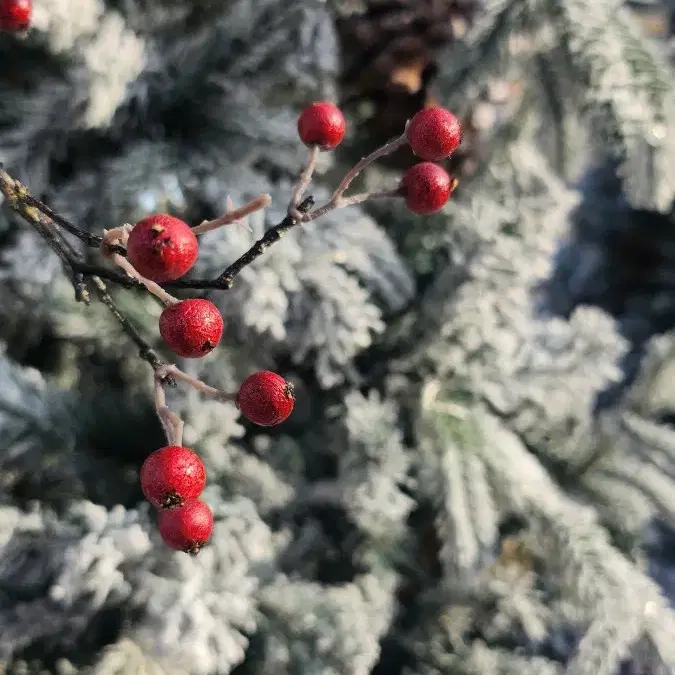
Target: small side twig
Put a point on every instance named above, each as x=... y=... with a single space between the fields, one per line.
x=234 y=215
x=338 y=200
x=172 y=371
x=224 y=281
x=303 y=183
x=170 y=421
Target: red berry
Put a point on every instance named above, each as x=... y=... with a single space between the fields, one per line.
x=322 y=124
x=171 y=475
x=191 y=328
x=186 y=528
x=426 y=187
x=15 y=14
x=265 y=398
x=162 y=248
x=434 y=133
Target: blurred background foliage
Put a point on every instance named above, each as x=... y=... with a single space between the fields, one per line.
x=479 y=474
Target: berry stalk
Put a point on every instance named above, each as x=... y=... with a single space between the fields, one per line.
x=303 y=183
x=234 y=215
x=174 y=372
x=170 y=421
x=338 y=200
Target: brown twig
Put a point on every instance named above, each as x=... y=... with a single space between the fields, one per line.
x=47 y=223
x=338 y=200
x=25 y=206
x=170 y=421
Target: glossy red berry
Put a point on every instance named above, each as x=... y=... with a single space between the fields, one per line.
x=265 y=398
x=191 y=328
x=186 y=528
x=162 y=248
x=322 y=124
x=15 y=15
x=426 y=188
x=434 y=133
x=172 y=475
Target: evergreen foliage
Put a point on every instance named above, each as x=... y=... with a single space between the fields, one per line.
x=479 y=473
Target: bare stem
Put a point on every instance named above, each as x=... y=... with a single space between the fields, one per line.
x=236 y=215
x=338 y=200
x=170 y=421
x=225 y=280
x=303 y=182
x=146 y=352
x=179 y=375
x=367 y=196
x=151 y=286
x=39 y=217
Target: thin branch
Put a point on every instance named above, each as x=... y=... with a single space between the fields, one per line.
x=234 y=215
x=303 y=182
x=225 y=280
x=170 y=421
x=79 y=273
x=172 y=371
x=46 y=222
x=338 y=200
x=89 y=239
x=34 y=211
x=145 y=351
x=367 y=196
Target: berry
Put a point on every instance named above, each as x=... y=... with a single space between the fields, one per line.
x=434 y=133
x=426 y=187
x=186 y=528
x=322 y=124
x=191 y=328
x=15 y=14
x=265 y=398
x=162 y=248
x=172 y=475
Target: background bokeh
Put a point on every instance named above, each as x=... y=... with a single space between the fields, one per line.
x=479 y=474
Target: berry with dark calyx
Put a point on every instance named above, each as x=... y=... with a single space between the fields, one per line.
x=323 y=124
x=162 y=248
x=186 y=528
x=434 y=133
x=191 y=328
x=172 y=475
x=426 y=188
x=15 y=15
x=265 y=398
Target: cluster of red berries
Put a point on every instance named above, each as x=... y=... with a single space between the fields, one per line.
x=433 y=134
x=15 y=15
x=173 y=477
x=164 y=248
